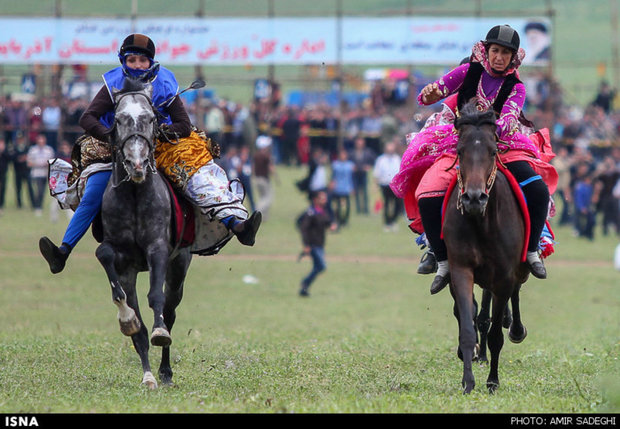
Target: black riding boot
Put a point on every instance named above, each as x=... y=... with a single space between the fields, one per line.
x=428 y=263
x=246 y=230
x=430 y=211
x=55 y=256
x=536 y=195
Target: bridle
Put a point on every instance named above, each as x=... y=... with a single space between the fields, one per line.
x=489 y=184
x=149 y=138
x=492 y=175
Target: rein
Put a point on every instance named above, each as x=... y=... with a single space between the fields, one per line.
x=487 y=190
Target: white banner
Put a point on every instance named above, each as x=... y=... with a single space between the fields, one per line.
x=240 y=41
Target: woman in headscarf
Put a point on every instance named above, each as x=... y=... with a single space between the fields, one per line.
x=491 y=78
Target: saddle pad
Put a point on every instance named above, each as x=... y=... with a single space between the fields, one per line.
x=183 y=219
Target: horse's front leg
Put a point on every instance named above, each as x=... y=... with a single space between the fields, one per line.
x=127 y=302
x=129 y=322
x=461 y=287
x=157 y=259
x=517 y=331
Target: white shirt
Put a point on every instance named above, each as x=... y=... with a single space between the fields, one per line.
x=386 y=167
x=37 y=159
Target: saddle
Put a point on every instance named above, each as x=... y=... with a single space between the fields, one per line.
x=546 y=241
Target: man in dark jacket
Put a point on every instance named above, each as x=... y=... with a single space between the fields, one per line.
x=313 y=225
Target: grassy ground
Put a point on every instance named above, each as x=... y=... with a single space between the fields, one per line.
x=370 y=339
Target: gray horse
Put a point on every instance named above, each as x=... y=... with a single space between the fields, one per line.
x=136 y=216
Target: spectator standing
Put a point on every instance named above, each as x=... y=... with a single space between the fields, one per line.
x=385 y=168
x=241 y=163
x=584 y=211
x=263 y=171
x=16 y=118
x=605 y=97
x=342 y=187
x=290 y=126
x=5 y=160
x=316 y=179
x=214 y=124
x=51 y=116
x=562 y=164
x=372 y=124
x=313 y=225
x=363 y=160
x=19 y=154
x=607 y=176
x=37 y=157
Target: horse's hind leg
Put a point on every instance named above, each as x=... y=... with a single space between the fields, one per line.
x=482 y=323
x=517 y=331
x=129 y=322
x=174 y=293
x=496 y=341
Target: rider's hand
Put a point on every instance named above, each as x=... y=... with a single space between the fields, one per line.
x=431 y=93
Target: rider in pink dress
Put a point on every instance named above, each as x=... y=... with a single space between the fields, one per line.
x=491 y=78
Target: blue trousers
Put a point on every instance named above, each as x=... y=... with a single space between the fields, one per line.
x=89 y=207
x=318 y=265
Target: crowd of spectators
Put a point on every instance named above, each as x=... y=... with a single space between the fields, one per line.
x=339 y=148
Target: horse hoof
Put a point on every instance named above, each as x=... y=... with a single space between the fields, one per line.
x=516 y=340
x=130 y=327
x=492 y=386
x=149 y=380
x=161 y=337
x=127 y=319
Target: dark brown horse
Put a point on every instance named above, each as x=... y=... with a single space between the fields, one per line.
x=484 y=231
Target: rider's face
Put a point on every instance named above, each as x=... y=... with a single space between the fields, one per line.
x=137 y=62
x=499 y=57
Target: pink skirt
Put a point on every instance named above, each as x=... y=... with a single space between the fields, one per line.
x=428 y=176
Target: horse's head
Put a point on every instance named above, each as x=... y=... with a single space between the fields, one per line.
x=135 y=124
x=476 y=151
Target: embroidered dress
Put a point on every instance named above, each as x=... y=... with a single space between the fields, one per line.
x=180 y=160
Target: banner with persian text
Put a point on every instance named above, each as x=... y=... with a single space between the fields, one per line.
x=241 y=41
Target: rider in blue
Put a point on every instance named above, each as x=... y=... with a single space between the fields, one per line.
x=92 y=154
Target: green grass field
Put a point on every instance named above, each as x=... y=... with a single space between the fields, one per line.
x=370 y=339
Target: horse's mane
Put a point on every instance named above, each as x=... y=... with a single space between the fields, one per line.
x=470 y=115
x=132 y=85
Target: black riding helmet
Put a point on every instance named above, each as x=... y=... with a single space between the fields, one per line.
x=503 y=35
x=139 y=44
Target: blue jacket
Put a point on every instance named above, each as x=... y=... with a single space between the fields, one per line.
x=165 y=86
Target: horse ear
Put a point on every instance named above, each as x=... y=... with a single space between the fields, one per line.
x=148 y=88
x=115 y=91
